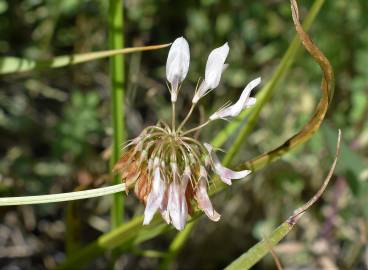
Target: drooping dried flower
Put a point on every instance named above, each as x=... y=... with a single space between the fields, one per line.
x=168 y=167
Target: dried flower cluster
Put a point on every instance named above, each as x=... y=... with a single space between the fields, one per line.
x=168 y=167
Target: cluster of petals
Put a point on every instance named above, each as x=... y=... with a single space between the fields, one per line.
x=170 y=170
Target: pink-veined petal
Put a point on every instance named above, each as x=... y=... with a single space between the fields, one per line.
x=177 y=205
x=225 y=174
x=202 y=198
x=163 y=207
x=155 y=197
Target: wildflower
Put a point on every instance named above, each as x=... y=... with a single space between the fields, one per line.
x=169 y=168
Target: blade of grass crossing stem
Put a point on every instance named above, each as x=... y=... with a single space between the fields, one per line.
x=306 y=132
x=262 y=98
x=122 y=235
x=10 y=64
x=116 y=41
x=258 y=251
x=176 y=245
x=266 y=92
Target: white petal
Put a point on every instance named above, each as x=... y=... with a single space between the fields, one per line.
x=250 y=102
x=202 y=90
x=155 y=197
x=177 y=63
x=215 y=65
x=222 y=113
x=183 y=199
x=177 y=205
x=225 y=174
x=202 y=198
x=243 y=102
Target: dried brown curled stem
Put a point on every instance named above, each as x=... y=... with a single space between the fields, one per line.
x=314 y=123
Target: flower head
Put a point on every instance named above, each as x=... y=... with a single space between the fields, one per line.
x=169 y=168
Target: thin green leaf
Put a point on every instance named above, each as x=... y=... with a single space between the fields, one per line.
x=125 y=234
x=257 y=252
x=10 y=64
x=176 y=245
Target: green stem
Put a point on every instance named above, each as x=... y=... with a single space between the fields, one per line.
x=62 y=197
x=116 y=41
x=176 y=245
x=196 y=128
x=173 y=116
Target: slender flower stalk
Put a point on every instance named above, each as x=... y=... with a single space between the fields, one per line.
x=198 y=127
x=173 y=115
x=187 y=117
x=170 y=169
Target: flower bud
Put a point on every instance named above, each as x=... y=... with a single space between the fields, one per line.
x=177 y=65
x=214 y=68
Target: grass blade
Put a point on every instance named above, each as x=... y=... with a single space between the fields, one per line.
x=10 y=64
x=257 y=252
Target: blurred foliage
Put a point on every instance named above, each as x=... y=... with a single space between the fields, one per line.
x=55 y=129
x=79 y=126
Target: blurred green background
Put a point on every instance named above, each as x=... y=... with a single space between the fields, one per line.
x=55 y=129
